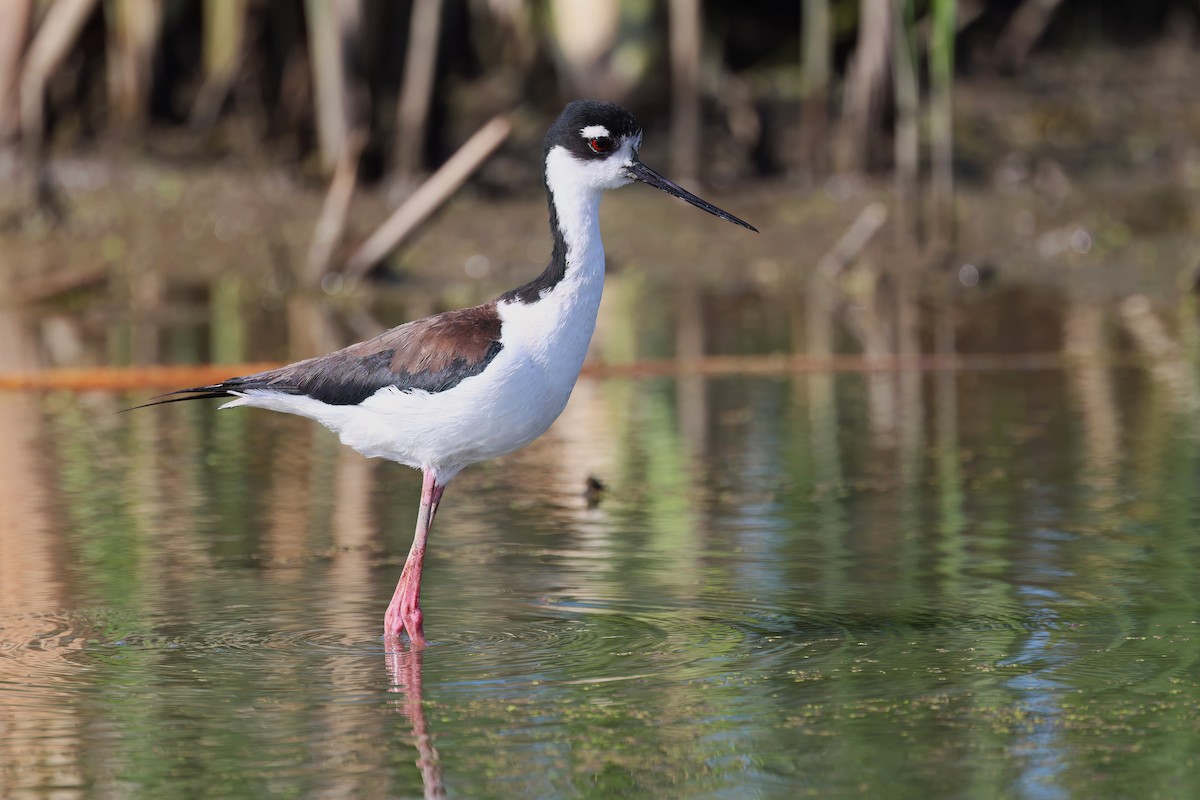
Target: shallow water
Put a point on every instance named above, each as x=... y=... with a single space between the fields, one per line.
x=953 y=584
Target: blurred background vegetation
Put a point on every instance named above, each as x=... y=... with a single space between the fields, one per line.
x=180 y=141
x=750 y=90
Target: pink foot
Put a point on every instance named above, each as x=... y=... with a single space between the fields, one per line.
x=404 y=614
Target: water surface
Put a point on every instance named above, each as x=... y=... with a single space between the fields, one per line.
x=944 y=584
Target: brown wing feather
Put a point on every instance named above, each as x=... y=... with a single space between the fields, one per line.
x=431 y=354
x=436 y=343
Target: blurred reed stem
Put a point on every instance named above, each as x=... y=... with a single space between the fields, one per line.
x=51 y=45
x=332 y=26
x=866 y=82
x=907 y=139
x=416 y=94
x=686 y=25
x=15 y=19
x=133 y=29
x=817 y=59
x=941 y=113
x=224 y=34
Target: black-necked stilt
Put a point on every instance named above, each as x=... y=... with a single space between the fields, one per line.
x=463 y=386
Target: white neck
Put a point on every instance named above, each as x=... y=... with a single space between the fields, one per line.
x=558 y=325
x=578 y=210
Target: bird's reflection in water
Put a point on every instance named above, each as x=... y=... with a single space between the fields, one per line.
x=404 y=666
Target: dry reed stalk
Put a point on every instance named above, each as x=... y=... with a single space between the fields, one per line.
x=50 y=46
x=133 y=28
x=941 y=121
x=866 y=84
x=1025 y=27
x=332 y=27
x=817 y=59
x=429 y=196
x=416 y=94
x=685 y=24
x=15 y=19
x=224 y=36
x=907 y=139
x=331 y=225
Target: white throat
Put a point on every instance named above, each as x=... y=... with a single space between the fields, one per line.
x=576 y=199
x=555 y=329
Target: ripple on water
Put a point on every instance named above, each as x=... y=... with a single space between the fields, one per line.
x=903 y=651
x=40 y=667
x=574 y=639
x=62 y=653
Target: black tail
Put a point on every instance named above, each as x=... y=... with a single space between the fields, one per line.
x=271 y=379
x=198 y=393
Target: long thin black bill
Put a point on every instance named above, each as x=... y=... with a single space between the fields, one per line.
x=640 y=172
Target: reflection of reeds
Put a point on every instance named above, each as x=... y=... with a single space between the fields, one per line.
x=951 y=494
x=1092 y=381
x=982 y=552
x=1168 y=364
x=824 y=294
x=27 y=576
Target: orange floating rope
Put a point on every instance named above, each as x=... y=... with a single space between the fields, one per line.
x=114 y=379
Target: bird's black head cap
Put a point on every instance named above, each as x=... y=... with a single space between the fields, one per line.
x=606 y=120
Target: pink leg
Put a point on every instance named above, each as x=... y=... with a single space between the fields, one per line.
x=404 y=612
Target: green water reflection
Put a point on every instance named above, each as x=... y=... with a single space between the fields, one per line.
x=913 y=585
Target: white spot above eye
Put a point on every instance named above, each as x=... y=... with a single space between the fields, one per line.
x=592 y=131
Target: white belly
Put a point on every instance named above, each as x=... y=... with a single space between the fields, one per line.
x=501 y=410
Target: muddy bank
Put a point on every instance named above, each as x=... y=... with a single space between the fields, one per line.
x=189 y=227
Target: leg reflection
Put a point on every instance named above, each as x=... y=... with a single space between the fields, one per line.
x=404 y=665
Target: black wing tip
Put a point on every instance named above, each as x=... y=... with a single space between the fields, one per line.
x=197 y=393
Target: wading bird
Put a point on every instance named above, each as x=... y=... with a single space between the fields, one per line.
x=463 y=386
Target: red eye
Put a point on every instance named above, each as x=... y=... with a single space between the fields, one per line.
x=600 y=144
